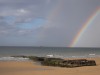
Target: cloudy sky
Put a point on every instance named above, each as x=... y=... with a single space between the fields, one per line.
x=48 y=22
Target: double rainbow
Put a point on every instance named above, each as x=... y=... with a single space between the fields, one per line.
x=56 y=11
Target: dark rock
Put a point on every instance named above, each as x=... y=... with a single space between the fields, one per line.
x=68 y=63
x=61 y=62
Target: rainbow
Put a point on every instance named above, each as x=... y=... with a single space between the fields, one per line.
x=85 y=26
x=54 y=12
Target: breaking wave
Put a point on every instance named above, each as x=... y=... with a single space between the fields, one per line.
x=13 y=59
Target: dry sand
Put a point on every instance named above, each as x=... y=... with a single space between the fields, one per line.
x=30 y=68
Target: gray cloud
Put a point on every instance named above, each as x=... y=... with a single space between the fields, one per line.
x=63 y=20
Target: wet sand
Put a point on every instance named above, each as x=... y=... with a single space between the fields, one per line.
x=31 y=68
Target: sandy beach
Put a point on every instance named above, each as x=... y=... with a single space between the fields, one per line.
x=31 y=68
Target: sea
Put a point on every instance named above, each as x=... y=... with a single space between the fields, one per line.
x=58 y=52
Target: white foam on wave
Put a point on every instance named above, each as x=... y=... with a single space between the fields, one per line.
x=50 y=55
x=13 y=59
x=92 y=54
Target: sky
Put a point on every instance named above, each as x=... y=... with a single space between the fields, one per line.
x=52 y=23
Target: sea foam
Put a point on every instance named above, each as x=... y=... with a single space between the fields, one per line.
x=13 y=59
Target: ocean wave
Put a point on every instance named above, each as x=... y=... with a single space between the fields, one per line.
x=13 y=59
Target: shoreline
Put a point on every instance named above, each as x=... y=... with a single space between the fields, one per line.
x=30 y=68
x=37 y=59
